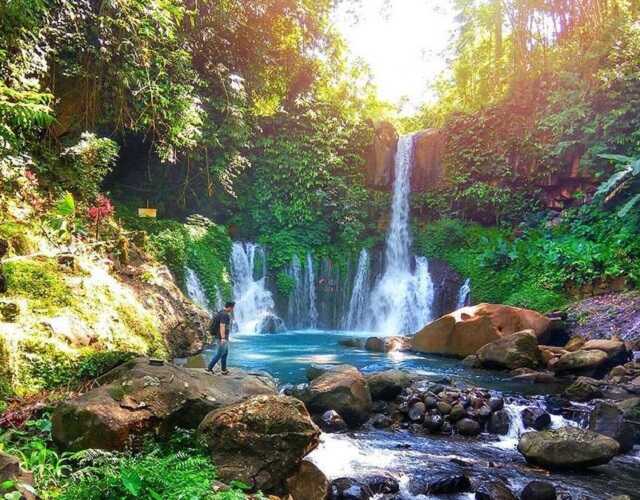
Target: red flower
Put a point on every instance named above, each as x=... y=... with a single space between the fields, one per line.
x=101 y=210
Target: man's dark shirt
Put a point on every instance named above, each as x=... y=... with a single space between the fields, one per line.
x=221 y=318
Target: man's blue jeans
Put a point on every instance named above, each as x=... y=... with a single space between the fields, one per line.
x=223 y=352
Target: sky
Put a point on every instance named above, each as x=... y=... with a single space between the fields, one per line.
x=402 y=41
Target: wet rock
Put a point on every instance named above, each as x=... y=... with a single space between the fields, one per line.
x=616 y=350
x=539 y=490
x=430 y=402
x=417 y=411
x=494 y=490
x=447 y=428
x=308 y=483
x=448 y=485
x=387 y=385
x=387 y=344
x=246 y=440
x=331 y=421
x=472 y=361
x=484 y=413
x=457 y=412
x=344 y=391
x=567 y=448
x=349 y=489
x=468 y=427
x=316 y=370
x=138 y=398
x=433 y=423
x=584 y=389
x=536 y=418
x=355 y=343
x=608 y=419
x=496 y=403
x=381 y=421
x=465 y=331
x=382 y=484
x=581 y=362
x=443 y=407
x=499 y=423
x=519 y=350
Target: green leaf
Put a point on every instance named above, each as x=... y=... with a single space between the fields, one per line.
x=628 y=206
x=131 y=481
x=613 y=181
x=619 y=159
x=66 y=207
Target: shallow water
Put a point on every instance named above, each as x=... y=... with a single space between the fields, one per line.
x=407 y=456
x=287 y=355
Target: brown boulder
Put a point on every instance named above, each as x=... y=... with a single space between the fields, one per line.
x=388 y=384
x=582 y=362
x=260 y=441
x=575 y=343
x=466 y=330
x=137 y=397
x=309 y=483
x=345 y=391
x=387 y=344
x=15 y=478
x=519 y=350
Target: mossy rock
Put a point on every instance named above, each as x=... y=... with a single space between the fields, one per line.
x=40 y=281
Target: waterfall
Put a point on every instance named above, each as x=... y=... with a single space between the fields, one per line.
x=310 y=285
x=195 y=291
x=464 y=294
x=356 y=315
x=302 y=310
x=402 y=298
x=254 y=312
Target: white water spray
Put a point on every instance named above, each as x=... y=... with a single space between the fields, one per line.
x=356 y=315
x=195 y=291
x=401 y=300
x=464 y=294
x=254 y=303
x=310 y=285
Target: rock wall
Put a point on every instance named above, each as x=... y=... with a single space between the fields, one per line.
x=428 y=168
x=380 y=156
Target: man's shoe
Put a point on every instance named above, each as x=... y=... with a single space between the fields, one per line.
x=225 y=372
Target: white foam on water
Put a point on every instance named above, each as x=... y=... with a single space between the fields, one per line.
x=195 y=291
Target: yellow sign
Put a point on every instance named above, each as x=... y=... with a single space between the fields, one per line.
x=147 y=212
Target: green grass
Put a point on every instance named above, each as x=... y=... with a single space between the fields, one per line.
x=41 y=281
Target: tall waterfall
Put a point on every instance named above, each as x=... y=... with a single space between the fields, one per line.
x=356 y=315
x=254 y=312
x=194 y=289
x=302 y=309
x=310 y=285
x=464 y=294
x=402 y=298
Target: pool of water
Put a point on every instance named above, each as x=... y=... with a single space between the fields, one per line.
x=286 y=356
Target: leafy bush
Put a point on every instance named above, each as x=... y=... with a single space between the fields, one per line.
x=169 y=246
x=41 y=281
x=93 y=365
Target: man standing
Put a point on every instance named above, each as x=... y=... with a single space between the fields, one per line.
x=220 y=329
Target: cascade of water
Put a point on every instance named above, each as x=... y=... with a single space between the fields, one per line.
x=310 y=286
x=402 y=298
x=254 y=303
x=195 y=291
x=296 y=302
x=464 y=294
x=356 y=315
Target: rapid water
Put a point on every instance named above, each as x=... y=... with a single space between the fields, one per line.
x=402 y=298
x=195 y=291
x=310 y=285
x=302 y=310
x=464 y=295
x=359 y=303
x=254 y=303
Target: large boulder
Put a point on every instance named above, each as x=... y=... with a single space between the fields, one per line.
x=316 y=369
x=519 y=350
x=15 y=479
x=260 y=441
x=608 y=419
x=617 y=352
x=387 y=344
x=466 y=330
x=140 y=397
x=387 y=385
x=345 y=391
x=345 y=488
x=428 y=169
x=308 y=483
x=567 y=448
x=583 y=362
x=584 y=389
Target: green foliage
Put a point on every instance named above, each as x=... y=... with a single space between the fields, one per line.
x=169 y=246
x=41 y=281
x=94 y=364
x=208 y=254
x=541 y=266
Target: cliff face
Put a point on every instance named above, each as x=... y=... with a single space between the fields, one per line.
x=429 y=171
